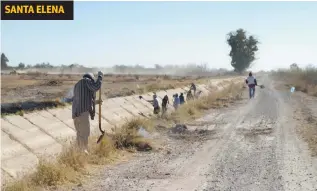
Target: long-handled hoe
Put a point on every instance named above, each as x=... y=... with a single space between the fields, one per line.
x=102 y=131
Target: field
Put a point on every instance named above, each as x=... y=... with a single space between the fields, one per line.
x=304 y=80
x=43 y=87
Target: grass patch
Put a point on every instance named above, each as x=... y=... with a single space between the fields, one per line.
x=71 y=165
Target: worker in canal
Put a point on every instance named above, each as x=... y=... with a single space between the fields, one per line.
x=156 y=105
x=165 y=101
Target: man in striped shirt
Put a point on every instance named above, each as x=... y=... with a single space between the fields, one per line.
x=83 y=106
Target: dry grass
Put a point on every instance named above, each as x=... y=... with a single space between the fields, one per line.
x=71 y=165
x=303 y=80
x=127 y=136
x=38 y=87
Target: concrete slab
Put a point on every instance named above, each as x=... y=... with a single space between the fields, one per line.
x=132 y=110
x=161 y=94
x=94 y=126
x=203 y=88
x=147 y=98
x=31 y=136
x=136 y=102
x=144 y=102
x=113 y=102
x=110 y=116
x=186 y=89
x=16 y=159
x=112 y=113
x=5 y=178
x=64 y=115
x=180 y=90
x=51 y=125
x=171 y=92
x=119 y=107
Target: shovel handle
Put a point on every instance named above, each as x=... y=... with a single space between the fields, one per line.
x=100 y=110
x=102 y=131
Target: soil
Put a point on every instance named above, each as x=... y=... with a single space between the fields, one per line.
x=42 y=87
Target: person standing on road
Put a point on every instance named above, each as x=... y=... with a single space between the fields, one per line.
x=251 y=82
x=84 y=105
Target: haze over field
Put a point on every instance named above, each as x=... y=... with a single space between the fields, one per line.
x=104 y=34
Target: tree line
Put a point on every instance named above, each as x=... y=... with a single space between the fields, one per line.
x=242 y=53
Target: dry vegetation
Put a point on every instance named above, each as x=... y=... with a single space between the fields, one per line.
x=304 y=80
x=42 y=87
x=71 y=165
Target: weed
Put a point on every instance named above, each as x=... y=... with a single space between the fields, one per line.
x=70 y=157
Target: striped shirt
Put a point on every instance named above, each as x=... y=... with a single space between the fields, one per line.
x=84 y=95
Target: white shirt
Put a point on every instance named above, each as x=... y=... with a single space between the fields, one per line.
x=251 y=80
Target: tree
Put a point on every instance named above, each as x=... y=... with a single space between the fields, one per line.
x=243 y=49
x=158 y=67
x=21 y=65
x=294 y=67
x=4 y=61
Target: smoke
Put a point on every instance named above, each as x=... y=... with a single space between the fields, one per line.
x=171 y=70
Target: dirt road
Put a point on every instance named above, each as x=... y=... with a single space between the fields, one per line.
x=249 y=146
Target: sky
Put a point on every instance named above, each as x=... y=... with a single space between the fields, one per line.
x=104 y=34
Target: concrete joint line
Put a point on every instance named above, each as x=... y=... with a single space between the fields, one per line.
x=131 y=103
x=57 y=119
x=127 y=111
x=60 y=120
x=107 y=120
x=7 y=173
x=58 y=141
x=141 y=102
x=13 y=138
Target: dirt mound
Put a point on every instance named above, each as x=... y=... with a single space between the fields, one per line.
x=179 y=128
x=181 y=132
